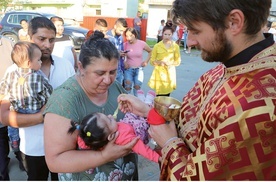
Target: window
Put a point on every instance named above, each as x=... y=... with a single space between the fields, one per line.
x=16 y=18
x=98 y=12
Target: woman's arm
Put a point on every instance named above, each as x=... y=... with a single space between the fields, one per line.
x=61 y=153
x=148 y=49
x=14 y=119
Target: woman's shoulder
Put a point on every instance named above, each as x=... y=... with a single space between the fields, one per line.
x=175 y=45
x=64 y=97
x=117 y=87
x=159 y=44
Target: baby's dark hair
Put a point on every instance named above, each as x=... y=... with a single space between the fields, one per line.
x=92 y=135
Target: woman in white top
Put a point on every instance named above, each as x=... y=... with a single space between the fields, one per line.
x=23 y=32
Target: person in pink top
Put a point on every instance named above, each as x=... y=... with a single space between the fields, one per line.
x=134 y=63
x=97 y=129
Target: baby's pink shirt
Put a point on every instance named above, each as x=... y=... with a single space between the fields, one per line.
x=126 y=135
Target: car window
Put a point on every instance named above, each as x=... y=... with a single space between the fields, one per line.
x=16 y=18
x=12 y=19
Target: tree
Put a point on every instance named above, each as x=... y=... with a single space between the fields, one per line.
x=4 y=4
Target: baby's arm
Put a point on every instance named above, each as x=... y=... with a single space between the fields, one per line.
x=145 y=151
x=126 y=134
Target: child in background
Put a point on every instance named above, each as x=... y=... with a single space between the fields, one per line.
x=27 y=89
x=23 y=32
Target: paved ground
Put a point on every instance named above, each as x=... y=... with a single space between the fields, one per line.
x=188 y=72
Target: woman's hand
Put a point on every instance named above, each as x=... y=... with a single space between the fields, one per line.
x=113 y=151
x=144 y=64
x=130 y=103
x=159 y=63
x=162 y=133
x=122 y=54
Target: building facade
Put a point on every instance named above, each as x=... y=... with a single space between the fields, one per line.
x=76 y=9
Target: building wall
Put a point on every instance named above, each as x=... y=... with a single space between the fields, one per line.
x=155 y=15
x=132 y=8
x=78 y=8
x=273 y=5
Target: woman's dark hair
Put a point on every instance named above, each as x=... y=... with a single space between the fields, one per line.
x=40 y=22
x=168 y=26
x=97 y=47
x=92 y=135
x=133 y=31
x=215 y=12
x=23 y=20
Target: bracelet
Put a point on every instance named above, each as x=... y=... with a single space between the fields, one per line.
x=168 y=141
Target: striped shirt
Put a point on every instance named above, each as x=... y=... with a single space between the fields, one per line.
x=33 y=93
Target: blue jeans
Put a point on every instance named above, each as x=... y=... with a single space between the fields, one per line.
x=134 y=77
x=185 y=39
x=13 y=133
x=120 y=76
x=4 y=153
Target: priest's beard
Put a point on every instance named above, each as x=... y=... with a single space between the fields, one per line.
x=221 y=49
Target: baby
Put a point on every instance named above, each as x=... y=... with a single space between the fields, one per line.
x=27 y=88
x=97 y=129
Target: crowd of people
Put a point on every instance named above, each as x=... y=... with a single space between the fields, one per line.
x=77 y=118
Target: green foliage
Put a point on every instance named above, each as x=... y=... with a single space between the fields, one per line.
x=4 y=4
x=151 y=42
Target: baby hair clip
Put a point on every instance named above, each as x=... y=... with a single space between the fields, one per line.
x=88 y=134
x=78 y=127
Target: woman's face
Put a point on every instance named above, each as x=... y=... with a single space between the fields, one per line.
x=130 y=37
x=99 y=75
x=167 y=35
x=59 y=27
x=24 y=25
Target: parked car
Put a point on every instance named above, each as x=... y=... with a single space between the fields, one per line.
x=10 y=24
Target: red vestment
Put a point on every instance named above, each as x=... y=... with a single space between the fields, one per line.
x=228 y=125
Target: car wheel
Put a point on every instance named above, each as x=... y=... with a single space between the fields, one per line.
x=12 y=37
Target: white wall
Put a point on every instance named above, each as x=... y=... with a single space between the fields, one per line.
x=273 y=5
x=110 y=8
x=155 y=15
